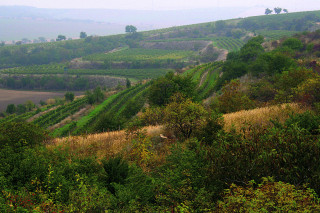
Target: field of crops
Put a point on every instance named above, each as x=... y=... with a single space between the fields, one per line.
x=208 y=82
x=54 y=69
x=24 y=116
x=136 y=54
x=55 y=116
x=115 y=105
x=275 y=34
x=228 y=43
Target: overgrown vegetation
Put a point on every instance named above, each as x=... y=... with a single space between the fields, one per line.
x=254 y=146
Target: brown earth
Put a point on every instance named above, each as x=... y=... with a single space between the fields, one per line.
x=20 y=97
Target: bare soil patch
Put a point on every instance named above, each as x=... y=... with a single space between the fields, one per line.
x=20 y=97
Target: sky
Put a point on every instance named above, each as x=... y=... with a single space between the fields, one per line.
x=291 y=5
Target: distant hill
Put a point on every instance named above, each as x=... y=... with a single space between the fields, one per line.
x=19 y=20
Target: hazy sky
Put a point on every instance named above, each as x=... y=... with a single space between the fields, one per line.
x=291 y=5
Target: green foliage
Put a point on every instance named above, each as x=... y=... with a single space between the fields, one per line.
x=233 y=99
x=293 y=43
x=307 y=121
x=116 y=171
x=83 y=35
x=163 y=88
x=184 y=116
x=269 y=196
x=131 y=29
x=69 y=96
x=95 y=97
x=182 y=180
x=11 y=108
x=283 y=152
x=21 y=134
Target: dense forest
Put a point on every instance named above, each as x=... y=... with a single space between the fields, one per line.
x=233 y=135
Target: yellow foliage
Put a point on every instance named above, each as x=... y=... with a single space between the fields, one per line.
x=246 y=120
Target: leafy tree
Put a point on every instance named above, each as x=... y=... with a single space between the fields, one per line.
x=21 y=108
x=83 y=35
x=61 y=37
x=277 y=10
x=163 y=88
x=131 y=29
x=29 y=105
x=184 y=116
x=128 y=83
x=268 y=11
x=95 y=96
x=11 y=108
x=69 y=96
x=285 y=10
x=233 y=99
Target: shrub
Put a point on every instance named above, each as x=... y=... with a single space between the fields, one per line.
x=184 y=116
x=269 y=196
x=116 y=171
x=287 y=153
x=307 y=120
x=293 y=43
x=21 y=134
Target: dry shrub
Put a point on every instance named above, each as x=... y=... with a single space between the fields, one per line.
x=259 y=119
x=51 y=101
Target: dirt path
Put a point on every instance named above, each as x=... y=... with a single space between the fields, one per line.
x=223 y=55
x=203 y=78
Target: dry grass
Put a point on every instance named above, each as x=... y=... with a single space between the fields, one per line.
x=245 y=120
x=101 y=145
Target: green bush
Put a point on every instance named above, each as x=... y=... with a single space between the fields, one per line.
x=293 y=43
x=269 y=196
x=287 y=153
x=21 y=134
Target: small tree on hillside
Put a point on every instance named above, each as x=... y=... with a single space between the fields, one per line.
x=11 y=108
x=268 y=11
x=69 y=96
x=277 y=10
x=285 y=10
x=83 y=35
x=61 y=37
x=184 y=116
x=131 y=29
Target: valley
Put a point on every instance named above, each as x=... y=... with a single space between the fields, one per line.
x=214 y=117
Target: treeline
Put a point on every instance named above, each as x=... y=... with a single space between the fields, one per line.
x=54 y=82
x=22 y=55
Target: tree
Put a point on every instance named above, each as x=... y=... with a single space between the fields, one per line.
x=83 y=35
x=268 y=11
x=69 y=96
x=95 y=96
x=163 y=88
x=128 y=83
x=277 y=10
x=11 y=108
x=184 y=116
x=285 y=10
x=61 y=37
x=131 y=29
